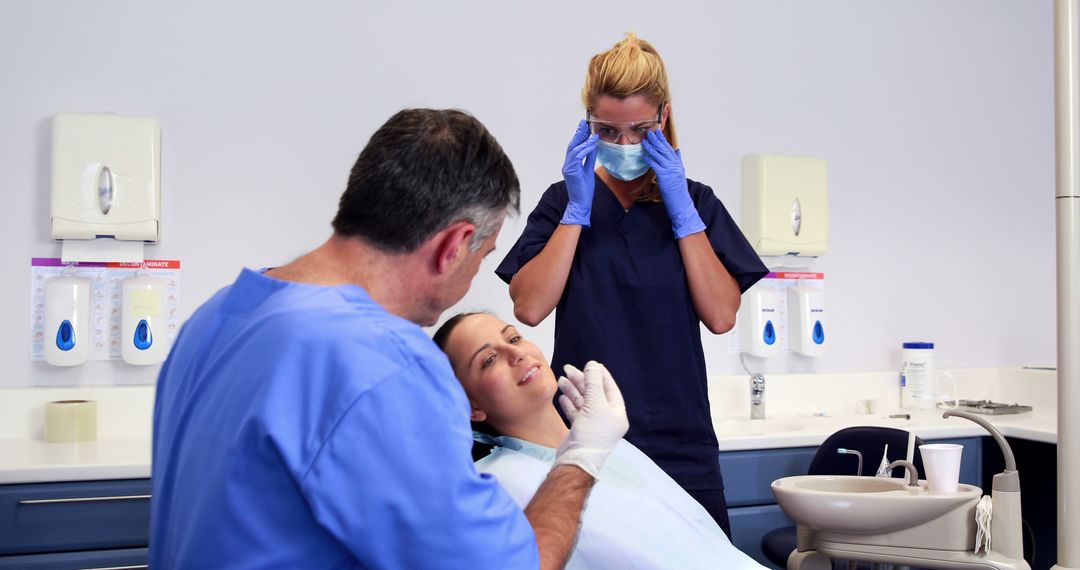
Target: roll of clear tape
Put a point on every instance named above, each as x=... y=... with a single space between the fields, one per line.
x=70 y=421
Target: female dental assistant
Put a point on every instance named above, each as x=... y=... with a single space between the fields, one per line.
x=632 y=256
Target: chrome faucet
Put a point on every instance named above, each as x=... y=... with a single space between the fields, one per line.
x=757 y=397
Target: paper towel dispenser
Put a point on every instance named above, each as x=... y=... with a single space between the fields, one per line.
x=785 y=204
x=106 y=177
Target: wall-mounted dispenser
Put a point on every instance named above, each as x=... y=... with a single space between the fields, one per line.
x=785 y=204
x=759 y=330
x=106 y=177
x=806 y=318
x=142 y=329
x=67 y=321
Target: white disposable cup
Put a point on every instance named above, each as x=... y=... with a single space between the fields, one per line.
x=942 y=464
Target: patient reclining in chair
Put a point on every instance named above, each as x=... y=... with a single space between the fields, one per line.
x=636 y=515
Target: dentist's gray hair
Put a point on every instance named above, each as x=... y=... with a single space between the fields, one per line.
x=423 y=170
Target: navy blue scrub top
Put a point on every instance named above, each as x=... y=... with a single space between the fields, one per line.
x=627 y=304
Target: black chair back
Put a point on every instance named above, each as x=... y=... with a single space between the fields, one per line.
x=870 y=441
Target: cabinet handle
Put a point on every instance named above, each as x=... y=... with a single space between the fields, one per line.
x=119 y=567
x=85 y=500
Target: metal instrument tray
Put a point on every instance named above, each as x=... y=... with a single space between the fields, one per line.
x=992 y=408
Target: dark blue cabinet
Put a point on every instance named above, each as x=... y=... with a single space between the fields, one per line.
x=120 y=559
x=87 y=524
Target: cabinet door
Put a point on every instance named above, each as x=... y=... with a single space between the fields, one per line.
x=748 y=475
x=72 y=516
x=128 y=559
x=749 y=524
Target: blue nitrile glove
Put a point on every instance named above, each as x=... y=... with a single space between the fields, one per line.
x=666 y=162
x=580 y=177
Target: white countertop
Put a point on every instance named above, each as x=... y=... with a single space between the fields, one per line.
x=804 y=409
x=123 y=447
x=121 y=451
x=809 y=431
x=35 y=461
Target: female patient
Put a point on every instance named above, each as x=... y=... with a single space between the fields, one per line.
x=637 y=516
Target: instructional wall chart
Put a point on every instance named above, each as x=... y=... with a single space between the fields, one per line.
x=105 y=302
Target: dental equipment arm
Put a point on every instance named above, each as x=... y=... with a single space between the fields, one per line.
x=1006 y=449
x=1005 y=527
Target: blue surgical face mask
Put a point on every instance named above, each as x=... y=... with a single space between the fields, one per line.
x=623 y=161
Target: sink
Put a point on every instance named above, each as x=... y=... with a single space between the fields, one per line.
x=851 y=505
x=738 y=428
x=850 y=484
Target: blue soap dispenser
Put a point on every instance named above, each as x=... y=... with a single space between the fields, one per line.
x=806 y=315
x=67 y=320
x=759 y=329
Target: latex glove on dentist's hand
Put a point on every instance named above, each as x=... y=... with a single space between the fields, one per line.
x=666 y=162
x=578 y=172
x=597 y=414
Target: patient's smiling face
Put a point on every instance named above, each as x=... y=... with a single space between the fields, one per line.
x=504 y=375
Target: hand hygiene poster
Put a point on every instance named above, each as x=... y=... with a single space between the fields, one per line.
x=780 y=281
x=105 y=300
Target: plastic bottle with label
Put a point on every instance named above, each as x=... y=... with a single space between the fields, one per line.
x=917 y=376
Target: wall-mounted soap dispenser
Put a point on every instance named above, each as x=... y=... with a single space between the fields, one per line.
x=806 y=317
x=142 y=320
x=759 y=330
x=67 y=321
x=106 y=177
x=784 y=208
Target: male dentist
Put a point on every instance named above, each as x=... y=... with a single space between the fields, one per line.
x=305 y=420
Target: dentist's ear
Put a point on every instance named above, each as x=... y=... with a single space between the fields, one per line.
x=451 y=244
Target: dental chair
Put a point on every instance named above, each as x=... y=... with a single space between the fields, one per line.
x=778 y=543
x=481 y=450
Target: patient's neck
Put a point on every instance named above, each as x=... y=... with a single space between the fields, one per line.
x=544 y=428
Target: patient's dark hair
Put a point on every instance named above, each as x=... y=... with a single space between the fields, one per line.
x=440 y=338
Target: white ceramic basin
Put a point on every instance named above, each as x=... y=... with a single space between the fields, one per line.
x=740 y=428
x=865 y=505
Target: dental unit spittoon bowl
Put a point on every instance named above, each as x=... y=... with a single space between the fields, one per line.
x=897 y=521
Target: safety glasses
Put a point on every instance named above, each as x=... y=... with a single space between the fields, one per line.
x=613 y=131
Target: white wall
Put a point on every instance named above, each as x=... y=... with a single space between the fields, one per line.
x=935 y=117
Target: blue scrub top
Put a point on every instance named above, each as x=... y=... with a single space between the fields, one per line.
x=627 y=304
x=299 y=426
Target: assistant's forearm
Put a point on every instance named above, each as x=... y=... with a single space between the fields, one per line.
x=555 y=513
x=713 y=290
x=539 y=284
